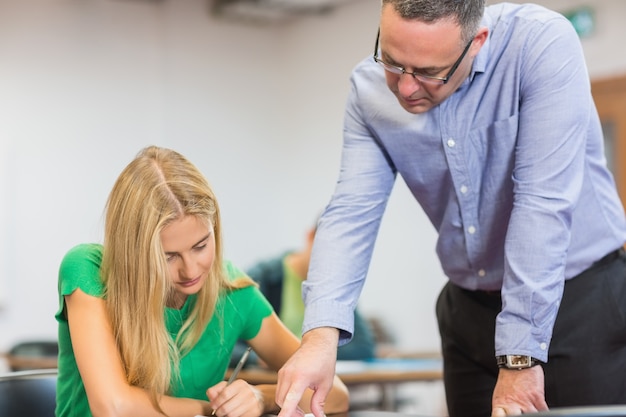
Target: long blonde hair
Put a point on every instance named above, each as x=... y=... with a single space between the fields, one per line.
x=156 y=188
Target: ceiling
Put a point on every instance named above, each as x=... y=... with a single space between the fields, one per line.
x=272 y=11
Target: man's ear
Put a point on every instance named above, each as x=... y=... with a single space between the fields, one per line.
x=479 y=40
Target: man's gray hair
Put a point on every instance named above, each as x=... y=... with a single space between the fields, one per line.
x=466 y=13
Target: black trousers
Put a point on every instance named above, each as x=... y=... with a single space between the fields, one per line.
x=587 y=355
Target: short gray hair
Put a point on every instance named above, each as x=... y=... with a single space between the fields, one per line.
x=467 y=13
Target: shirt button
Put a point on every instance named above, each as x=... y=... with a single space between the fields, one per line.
x=482 y=273
x=543 y=346
x=451 y=143
x=471 y=230
x=463 y=189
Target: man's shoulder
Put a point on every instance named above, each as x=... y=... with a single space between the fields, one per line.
x=525 y=13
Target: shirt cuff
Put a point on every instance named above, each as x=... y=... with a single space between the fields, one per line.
x=330 y=314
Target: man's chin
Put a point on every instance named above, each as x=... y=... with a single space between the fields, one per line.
x=417 y=109
x=418 y=106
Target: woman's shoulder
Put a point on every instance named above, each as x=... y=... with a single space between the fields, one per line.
x=232 y=271
x=86 y=248
x=243 y=285
x=83 y=254
x=80 y=268
x=244 y=298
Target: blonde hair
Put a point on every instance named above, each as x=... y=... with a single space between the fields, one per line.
x=156 y=188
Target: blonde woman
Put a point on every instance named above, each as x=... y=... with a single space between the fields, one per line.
x=148 y=320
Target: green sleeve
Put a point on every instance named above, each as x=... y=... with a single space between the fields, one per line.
x=80 y=268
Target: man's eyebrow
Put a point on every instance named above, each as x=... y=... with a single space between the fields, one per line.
x=391 y=61
x=194 y=245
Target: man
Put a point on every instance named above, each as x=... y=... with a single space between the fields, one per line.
x=487 y=116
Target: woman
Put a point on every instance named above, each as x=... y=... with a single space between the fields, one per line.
x=147 y=321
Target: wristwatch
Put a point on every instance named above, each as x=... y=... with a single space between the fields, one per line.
x=516 y=361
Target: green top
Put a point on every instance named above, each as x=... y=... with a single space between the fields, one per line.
x=243 y=311
x=292 y=309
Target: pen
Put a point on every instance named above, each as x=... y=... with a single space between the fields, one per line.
x=240 y=364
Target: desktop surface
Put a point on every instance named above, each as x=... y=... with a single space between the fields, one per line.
x=584 y=411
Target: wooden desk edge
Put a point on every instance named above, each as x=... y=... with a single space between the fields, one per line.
x=26 y=362
x=262 y=376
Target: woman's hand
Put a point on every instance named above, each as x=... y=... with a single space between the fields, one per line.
x=238 y=399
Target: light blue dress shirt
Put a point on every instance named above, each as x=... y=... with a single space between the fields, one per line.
x=510 y=170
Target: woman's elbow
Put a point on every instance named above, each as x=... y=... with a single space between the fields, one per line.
x=105 y=409
x=113 y=406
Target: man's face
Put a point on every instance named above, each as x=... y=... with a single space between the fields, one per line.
x=430 y=49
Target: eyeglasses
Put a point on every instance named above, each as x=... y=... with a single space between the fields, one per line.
x=430 y=79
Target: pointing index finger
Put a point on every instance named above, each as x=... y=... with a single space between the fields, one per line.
x=289 y=402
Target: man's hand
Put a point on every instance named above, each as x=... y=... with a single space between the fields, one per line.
x=311 y=366
x=519 y=392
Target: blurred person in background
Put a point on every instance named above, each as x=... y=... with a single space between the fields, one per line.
x=280 y=280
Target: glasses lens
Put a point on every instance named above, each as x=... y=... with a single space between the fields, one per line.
x=428 y=80
x=399 y=71
x=389 y=67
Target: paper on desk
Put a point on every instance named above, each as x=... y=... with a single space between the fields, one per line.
x=272 y=415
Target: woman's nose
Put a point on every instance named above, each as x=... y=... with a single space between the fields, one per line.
x=188 y=269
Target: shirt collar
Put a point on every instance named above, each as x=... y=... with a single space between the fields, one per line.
x=480 y=61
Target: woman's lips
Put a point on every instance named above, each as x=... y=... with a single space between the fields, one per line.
x=189 y=283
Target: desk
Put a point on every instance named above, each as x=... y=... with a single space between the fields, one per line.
x=370 y=413
x=387 y=373
x=586 y=411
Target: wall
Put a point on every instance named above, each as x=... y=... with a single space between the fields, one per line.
x=84 y=86
x=258 y=108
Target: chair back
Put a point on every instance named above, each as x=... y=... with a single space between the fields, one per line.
x=29 y=393
x=33 y=354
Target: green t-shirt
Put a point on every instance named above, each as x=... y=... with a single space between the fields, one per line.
x=243 y=311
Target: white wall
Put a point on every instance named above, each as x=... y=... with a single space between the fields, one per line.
x=84 y=85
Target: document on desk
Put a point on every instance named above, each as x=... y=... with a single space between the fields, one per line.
x=272 y=415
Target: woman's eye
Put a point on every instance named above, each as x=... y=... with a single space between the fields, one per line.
x=200 y=247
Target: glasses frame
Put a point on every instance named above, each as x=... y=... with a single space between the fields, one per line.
x=395 y=69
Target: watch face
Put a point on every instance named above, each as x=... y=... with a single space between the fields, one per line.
x=518 y=361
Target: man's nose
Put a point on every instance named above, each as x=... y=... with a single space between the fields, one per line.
x=408 y=84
